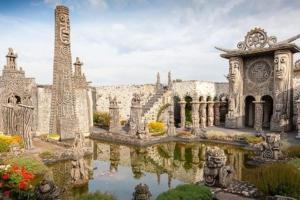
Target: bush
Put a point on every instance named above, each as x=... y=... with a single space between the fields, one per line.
x=102 y=118
x=4 y=146
x=31 y=164
x=186 y=192
x=293 y=152
x=7 y=140
x=295 y=162
x=252 y=139
x=156 y=128
x=95 y=196
x=53 y=136
x=275 y=179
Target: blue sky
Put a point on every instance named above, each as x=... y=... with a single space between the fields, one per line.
x=128 y=41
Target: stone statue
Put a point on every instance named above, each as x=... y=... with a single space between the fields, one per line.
x=135 y=120
x=271 y=147
x=114 y=124
x=141 y=192
x=80 y=169
x=235 y=92
x=216 y=173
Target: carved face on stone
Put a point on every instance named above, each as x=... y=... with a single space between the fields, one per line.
x=234 y=70
x=280 y=66
x=64 y=28
x=215 y=157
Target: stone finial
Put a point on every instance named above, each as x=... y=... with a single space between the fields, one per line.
x=77 y=66
x=11 y=59
x=141 y=192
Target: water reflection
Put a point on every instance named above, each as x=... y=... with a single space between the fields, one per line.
x=118 y=168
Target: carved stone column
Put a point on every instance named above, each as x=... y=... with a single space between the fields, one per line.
x=298 y=118
x=135 y=120
x=114 y=123
x=202 y=114
x=217 y=113
x=182 y=104
x=195 y=117
x=258 y=122
x=210 y=114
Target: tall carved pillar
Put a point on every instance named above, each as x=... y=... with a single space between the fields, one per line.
x=217 y=113
x=114 y=115
x=210 y=114
x=282 y=90
x=195 y=117
x=182 y=104
x=298 y=118
x=203 y=114
x=135 y=121
x=235 y=78
x=258 y=122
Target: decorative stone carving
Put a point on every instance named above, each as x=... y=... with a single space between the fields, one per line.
x=135 y=121
x=47 y=190
x=63 y=118
x=256 y=38
x=195 y=117
x=234 y=115
x=210 y=114
x=298 y=119
x=80 y=169
x=282 y=89
x=203 y=114
x=217 y=105
x=182 y=104
x=141 y=192
x=271 y=147
x=216 y=173
x=78 y=77
x=114 y=124
x=258 y=123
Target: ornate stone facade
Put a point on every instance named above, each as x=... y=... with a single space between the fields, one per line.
x=271 y=147
x=261 y=70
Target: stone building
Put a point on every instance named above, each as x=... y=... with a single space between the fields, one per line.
x=262 y=82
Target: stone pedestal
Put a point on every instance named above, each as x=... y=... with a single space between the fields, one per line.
x=195 y=117
x=217 y=113
x=210 y=114
x=298 y=119
x=202 y=114
x=258 y=122
x=182 y=104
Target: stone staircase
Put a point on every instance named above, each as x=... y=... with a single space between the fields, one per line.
x=152 y=106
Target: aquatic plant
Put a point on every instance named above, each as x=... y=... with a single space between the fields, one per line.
x=275 y=179
x=186 y=192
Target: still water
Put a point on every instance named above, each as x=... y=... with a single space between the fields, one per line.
x=117 y=169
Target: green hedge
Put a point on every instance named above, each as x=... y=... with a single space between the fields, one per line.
x=186 y=192
x=275 y=179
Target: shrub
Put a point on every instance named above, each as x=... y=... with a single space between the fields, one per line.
x=31 y=164
x=293 y=152
x=102 y=118
x=53 y=136
x=4 y=146
x=156 y=128
x=275 y=179
x=295 y=162
x=186 y=192
x=95 y=196
x=7 y=140
x=252 y=139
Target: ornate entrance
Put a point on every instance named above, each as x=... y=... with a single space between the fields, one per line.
x=249 y=111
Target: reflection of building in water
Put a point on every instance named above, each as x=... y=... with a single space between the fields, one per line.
x=180 y=161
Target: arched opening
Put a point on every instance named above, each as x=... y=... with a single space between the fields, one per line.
x=267 y=111
x=176 y=110
x=188 y=111
x=249 y=111
x=223 y=108
x=201 y=98
x=14 y=99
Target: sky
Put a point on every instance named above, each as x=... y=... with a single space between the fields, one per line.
x=129 y=41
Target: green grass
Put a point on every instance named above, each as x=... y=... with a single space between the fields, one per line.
x=95 y=196
x=186 y=192
x=295 y=162
x=275 y=179
x=46 y=155
x=4 y=146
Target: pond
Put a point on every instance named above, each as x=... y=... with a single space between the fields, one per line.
x=117 y=169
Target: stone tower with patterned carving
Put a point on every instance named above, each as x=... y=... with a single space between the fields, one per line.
x=63 y=119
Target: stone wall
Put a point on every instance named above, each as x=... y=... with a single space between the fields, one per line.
x=44 y=93
x=83 y=111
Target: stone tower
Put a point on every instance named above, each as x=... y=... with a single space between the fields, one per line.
x=63 y=119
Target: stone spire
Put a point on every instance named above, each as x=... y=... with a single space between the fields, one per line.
x=77 y=67
x=63 y=119
x=169 y=79
x=158 y=84
x=11 y=58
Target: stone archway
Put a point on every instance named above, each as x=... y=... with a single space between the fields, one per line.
x=249 y=111
x=267 y=111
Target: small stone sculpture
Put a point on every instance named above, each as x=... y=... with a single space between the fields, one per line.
x=216 y=173
x=47 y=190
x=141 y=192
x=270 y=148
